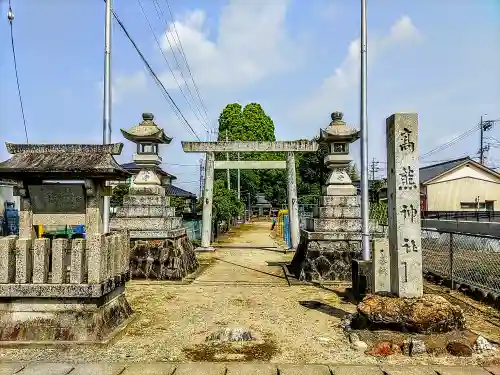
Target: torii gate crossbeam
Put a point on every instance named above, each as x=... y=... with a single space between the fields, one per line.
x=290 y=147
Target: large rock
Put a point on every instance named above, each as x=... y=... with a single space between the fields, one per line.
x=429 y=313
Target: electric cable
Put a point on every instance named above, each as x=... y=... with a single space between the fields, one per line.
x=10 y=16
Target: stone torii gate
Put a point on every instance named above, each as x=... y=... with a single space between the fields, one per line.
x=210 y=148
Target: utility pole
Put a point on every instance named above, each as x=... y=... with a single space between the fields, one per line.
x=249 y=210
x=485 y=125
x=201 y=178
x=374 y=168
x=365 y=229
x=106 y=123
x=239 y=180
x=228 y=171
x=481 y=140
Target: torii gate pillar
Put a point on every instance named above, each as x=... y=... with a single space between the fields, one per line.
x=293 y=207
x=208 y=195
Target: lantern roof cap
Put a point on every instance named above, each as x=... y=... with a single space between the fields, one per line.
x=146 y=131
x=339 y=130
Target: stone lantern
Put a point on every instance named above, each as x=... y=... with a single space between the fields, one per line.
x=339 y=136
x=331 y=239
x=147 y=136
x=160 y=248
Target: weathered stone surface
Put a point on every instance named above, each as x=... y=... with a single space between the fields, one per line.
x=7 y=259
x=381 y=266
x=10 y=368
x=339 y=190
x=101 y=369
x=152 y=369
x=482 y=345
x=145 y=211
x=65 y=320
x=324 y=260
x=145 y=200
x=403 y=191
x=358 y=370
x=251 y=146
x=429 y=313
x=459 y=370
x=201 y=369
x=146 y=223
x=304 y=369
x=331 y=212
x=407 y=370
x=47 y=369
x=344 y=201
x=163 y=259
x=333 y=225
x=231 y=335
x=251 y=369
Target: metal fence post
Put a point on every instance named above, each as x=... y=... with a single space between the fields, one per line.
x=451 y=259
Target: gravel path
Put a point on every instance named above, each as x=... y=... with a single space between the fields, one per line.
x=243 y=287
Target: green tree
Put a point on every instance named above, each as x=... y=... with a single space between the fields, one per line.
x=225 y=203
x=251 y=123
x=178 y=203
x=117 y=194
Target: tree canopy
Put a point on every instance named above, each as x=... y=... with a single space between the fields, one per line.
x=251 y=123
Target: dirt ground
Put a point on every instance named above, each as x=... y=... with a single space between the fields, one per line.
x=243 y=286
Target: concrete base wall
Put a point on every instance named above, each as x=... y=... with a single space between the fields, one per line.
x=50 y=320
x=486 y=228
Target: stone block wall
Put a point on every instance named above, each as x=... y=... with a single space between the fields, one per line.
x=59 y=267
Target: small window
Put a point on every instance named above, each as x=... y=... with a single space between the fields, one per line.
x=340 y=148
x=148 y=148
x=472 y=205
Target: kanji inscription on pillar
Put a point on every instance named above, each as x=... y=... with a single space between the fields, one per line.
x=403 y=190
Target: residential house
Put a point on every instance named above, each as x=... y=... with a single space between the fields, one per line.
x=459 y=185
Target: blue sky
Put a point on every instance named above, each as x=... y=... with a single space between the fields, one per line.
x=299 y=59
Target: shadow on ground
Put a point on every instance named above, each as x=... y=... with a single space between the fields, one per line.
x=324 y=308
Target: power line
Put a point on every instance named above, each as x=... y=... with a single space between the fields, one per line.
x=186 y=61
x=451 y=142
x=164 y=91
x=168 y=64
x=161 y=16
x=10 y=16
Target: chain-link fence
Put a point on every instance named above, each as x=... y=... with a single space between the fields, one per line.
x=473 y=260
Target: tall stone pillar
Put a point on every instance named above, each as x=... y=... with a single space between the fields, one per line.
x=208 y=191
x=293 y=207
x=25 y=212
x=403 y=190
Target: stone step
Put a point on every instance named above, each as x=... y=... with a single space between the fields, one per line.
x=333 y=225
x=146 y=200
x=336 y=200
x=143 y=223
x=145 y=211
x=156 y=234
x=339 y=190
x=339 y=212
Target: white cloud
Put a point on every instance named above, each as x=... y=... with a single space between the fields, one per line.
x=124 y=84
x=347 y=75
x=250 y=44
